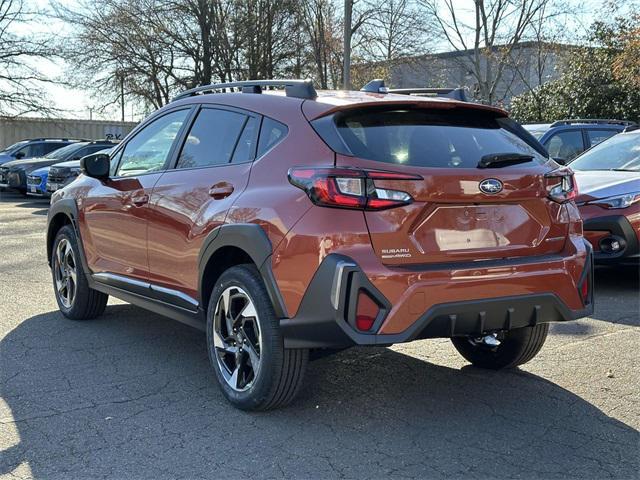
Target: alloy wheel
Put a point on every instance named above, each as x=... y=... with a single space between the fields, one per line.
x=237 y=338
x=64 y=266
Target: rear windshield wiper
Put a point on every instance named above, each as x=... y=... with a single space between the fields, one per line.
x=498 y=160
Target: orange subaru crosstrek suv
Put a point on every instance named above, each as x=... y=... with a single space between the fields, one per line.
x=285 y=221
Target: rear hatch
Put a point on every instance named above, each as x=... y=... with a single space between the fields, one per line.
x=459 y=212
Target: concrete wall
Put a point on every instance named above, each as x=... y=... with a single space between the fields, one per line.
x=20 y=128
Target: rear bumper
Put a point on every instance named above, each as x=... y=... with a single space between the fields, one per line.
x=619 y=228
x=326 y=317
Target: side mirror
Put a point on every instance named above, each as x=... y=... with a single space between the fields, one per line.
x=561 y=161
x=20 y=155
x=96 y=165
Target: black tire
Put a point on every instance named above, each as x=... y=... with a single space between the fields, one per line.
x=281 y=370
x=517 y=347
x=87 y=303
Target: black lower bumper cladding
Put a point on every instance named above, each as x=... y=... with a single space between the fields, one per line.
x=325 y=318
x=622 y=231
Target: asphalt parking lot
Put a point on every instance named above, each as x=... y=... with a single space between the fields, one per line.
x=130 y=395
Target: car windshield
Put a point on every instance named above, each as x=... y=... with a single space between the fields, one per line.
x=620 y=152
x=64 y=152
x=14 y=146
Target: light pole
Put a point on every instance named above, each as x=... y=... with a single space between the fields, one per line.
x=346 y=67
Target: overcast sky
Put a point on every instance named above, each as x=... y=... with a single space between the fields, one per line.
x=77 y=104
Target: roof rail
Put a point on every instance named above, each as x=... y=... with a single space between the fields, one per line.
x=42 y=139
x=454 y=93
x=293 y=88
x=570 y=121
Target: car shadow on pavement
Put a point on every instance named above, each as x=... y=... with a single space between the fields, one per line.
x=39 y=206
x=617 y=297
x=131 y=395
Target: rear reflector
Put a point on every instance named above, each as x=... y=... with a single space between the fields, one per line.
x=350 y=187
x=366 y=312
x=585 y=288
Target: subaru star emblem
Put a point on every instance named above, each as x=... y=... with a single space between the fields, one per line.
x=491 y=186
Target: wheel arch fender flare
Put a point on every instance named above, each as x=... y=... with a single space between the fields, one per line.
x=62 y=212
x=252 y=240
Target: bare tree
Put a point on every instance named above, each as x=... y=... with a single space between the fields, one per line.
x=20 y=80
x=535 y=65
x=118 y=45
x=498 y=27
x=398 y=29
x=322 y=27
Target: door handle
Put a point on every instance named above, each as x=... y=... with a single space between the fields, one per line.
x=221 y=190
x=140 y=200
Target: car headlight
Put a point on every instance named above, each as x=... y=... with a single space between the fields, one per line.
x=619 y=201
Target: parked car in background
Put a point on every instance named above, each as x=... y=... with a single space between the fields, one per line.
x=608 y=178
x=566 y=139
x=287 y=221
x=37 y=182
x=62 y=174
x=37 y=147
x=14 y=174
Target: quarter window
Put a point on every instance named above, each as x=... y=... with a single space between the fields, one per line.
x=271 y=133
x=212 y=138
x=149 y=149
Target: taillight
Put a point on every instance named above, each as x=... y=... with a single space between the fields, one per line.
x=350 y=187
x=561 y=185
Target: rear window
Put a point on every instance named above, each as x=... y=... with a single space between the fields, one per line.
x=428 y=138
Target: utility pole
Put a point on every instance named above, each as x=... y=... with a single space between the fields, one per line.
x=346 y=67
x=122 y=94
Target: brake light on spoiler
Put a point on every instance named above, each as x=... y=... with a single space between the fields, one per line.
x=351 y=188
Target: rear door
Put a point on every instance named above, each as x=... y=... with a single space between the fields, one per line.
x=451 y=218
x=192 y=199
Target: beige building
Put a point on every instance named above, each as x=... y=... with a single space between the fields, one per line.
x=530 y=64
x=13 y=129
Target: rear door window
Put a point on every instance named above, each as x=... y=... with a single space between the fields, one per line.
x=88 y=151
x=50 y=147
x=212 y=138
x=429 y=138
x=597 y=136
x=566 y=145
